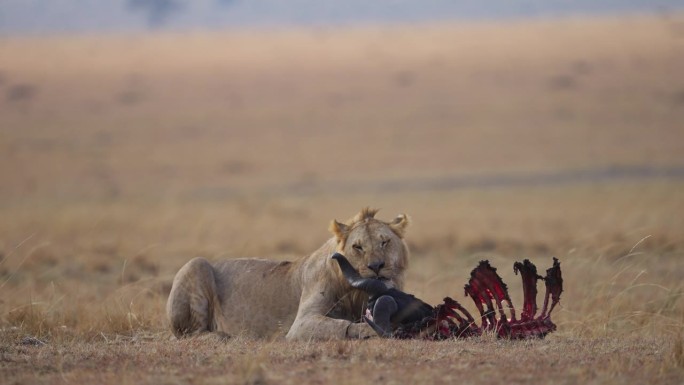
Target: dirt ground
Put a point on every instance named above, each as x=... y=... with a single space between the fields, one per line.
x=124 y=156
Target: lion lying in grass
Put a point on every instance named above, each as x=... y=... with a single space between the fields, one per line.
x=308 y=298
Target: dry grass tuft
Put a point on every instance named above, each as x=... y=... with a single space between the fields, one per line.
x=250 y=370
x=677 y=354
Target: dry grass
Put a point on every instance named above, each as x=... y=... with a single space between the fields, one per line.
x=124 y=157
x=560 y=359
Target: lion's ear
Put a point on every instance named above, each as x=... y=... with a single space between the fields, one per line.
x=399 y=224
x=340 y=230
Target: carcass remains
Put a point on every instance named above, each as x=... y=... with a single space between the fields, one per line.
x=395 y=314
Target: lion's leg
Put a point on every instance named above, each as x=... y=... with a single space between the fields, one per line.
x=312 y=323
x=319 y=327
x=193 y=300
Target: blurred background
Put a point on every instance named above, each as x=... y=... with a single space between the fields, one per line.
x=135 y=135
x=88 y=16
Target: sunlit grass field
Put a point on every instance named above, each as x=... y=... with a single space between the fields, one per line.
x=122 y=157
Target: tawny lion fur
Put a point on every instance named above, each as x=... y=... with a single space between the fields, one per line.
x=304 y=299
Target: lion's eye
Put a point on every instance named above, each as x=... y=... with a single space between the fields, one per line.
x=384 y=243
x=358 y=248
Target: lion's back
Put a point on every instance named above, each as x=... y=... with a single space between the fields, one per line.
x=258 y=297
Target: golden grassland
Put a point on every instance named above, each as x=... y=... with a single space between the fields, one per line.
x=122 y=157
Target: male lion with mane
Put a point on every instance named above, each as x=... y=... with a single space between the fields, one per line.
x=305 y=299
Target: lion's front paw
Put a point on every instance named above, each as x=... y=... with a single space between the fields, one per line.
x=360 y=331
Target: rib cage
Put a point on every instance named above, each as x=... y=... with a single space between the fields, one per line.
x=490 y=295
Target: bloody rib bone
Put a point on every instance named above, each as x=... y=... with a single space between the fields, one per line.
x=485 y=285
x=528 y=272
x=450 y=319
x=554 y=287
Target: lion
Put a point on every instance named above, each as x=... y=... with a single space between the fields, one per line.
x=305 y=299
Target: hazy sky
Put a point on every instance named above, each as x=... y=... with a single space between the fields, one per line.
x=54 y=16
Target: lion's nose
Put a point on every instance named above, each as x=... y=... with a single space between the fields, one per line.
x=376 y=266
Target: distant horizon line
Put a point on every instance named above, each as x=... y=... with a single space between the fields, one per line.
x=360 y=24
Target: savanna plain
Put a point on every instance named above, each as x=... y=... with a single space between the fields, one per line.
x=124 y=156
